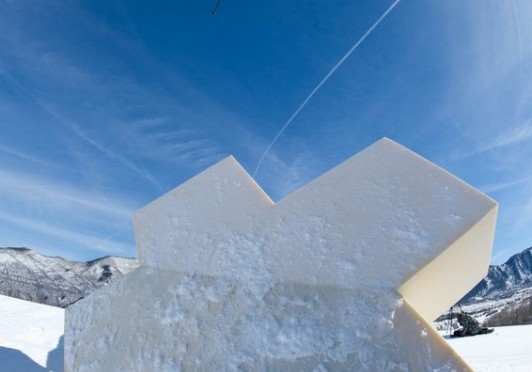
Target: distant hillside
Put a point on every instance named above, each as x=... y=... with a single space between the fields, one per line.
x=27 y=275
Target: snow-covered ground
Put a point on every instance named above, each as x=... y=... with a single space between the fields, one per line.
x=31 y=336
x=506 y=349
x=31 y=340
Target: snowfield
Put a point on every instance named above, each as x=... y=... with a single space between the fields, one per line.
x=506 y=349
x=31 y=340
x=31 y=336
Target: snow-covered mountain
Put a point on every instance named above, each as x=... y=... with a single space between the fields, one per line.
x=27 y=275
x=503 y=297
x=503 y=280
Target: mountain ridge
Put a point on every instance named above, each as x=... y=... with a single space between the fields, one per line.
x=28 y=275
x=511 y=276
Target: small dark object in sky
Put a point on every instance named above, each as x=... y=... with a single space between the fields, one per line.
x=216 y=7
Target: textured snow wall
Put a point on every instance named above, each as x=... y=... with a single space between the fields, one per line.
x=344 y=274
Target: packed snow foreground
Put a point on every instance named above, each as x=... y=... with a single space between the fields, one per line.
x=339 y=275
x=31 y=336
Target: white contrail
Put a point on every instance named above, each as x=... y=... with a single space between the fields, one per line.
x=518 y=32
x=340 y=62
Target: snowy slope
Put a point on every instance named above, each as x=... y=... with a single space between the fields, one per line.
x=31 y=336
x=506 y=349
x=27 y=275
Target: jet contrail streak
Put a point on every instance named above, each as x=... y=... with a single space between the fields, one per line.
x=340 y=62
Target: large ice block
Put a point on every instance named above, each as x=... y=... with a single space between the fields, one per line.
x=345 y=273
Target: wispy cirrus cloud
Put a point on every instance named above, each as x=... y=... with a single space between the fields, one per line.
x=128 y=163
x=119 y=98
x=499 y=186
x=28 y=157
x=53 y=196
x=506 y=138
x=68 y=215
x=513 y=136
x=86 y=241
x=165 y=141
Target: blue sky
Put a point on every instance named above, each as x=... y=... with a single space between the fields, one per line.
x=106 y=105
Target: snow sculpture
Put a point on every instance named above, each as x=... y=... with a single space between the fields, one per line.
x=344 y=274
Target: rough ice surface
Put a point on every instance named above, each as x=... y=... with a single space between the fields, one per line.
x=330 y=278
